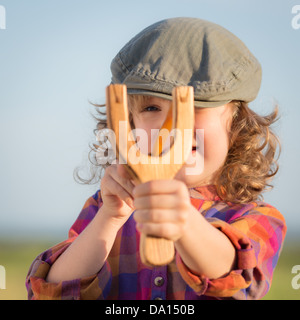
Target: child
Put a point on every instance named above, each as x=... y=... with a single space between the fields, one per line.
x=227 y=242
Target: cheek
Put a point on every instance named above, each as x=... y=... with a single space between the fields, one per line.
x=216 y=142
x=215 y=146
x=145 y=135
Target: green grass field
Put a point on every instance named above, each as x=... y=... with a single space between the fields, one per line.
x=281 y=288
x=17 y=257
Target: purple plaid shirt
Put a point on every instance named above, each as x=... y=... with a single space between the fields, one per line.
x=256 y=230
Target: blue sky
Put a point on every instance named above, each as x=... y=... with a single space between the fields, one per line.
x=55 y=58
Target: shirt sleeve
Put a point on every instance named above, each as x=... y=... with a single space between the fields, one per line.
x=94 y=287
x=257 y=236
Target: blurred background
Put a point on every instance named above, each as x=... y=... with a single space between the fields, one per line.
x=54 y=60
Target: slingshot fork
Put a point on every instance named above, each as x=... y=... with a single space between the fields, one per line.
x=153 y=251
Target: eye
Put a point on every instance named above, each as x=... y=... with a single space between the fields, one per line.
x=151 y=109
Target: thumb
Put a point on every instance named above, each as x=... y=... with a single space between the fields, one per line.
x=123 y=172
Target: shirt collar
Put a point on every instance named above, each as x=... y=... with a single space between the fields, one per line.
x=208 y=192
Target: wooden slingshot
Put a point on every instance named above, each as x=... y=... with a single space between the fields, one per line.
x=153 y=251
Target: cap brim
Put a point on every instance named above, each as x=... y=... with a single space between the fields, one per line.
x=197 y=103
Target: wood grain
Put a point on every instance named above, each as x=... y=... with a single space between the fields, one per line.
x=160 y=165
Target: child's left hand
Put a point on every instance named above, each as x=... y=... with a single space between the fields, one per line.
x=163 y=208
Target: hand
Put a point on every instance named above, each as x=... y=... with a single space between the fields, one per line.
x=163 y=208
x=116 y=193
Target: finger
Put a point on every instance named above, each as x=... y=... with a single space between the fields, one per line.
x=161 y=230
x=162 y=201
x=121 y=179
x=123 y=172
x=159 y=186
x=156 y=216
x=111 y=187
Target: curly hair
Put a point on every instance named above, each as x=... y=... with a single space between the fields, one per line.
x=96 y=169
x=250 y=164
x=252 y=157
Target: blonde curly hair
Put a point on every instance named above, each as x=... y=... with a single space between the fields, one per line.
x=252 y=157
x=250 y=164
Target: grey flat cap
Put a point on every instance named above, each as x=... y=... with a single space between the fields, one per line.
x=188 y=52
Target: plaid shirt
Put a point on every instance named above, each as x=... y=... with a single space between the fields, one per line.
x=256 y=230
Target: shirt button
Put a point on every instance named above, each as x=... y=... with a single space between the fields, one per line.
x=159 y=281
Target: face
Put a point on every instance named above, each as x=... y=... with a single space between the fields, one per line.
x=210 y=143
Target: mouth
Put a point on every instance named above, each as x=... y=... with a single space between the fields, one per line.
x=194 y=149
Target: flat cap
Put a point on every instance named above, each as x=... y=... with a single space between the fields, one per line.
x=188 y=52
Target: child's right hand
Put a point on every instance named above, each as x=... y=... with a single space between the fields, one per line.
x=100 y=234
x=116 y=193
